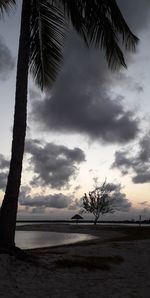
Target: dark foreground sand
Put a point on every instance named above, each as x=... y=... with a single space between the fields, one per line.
x=102 y=267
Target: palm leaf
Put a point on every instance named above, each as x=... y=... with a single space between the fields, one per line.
x=107 y=29
x=5 y=5
x=104 y=36
x=47 y=29
x=101 y=23
x=120 y=25
x=74 y=11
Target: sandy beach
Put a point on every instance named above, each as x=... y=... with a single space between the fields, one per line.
x=114 y=265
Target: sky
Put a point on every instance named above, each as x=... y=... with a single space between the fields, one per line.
x=92 y=125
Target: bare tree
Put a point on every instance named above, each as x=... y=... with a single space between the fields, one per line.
x=100 y=200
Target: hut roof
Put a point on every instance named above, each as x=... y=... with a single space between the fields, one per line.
x=77 y=216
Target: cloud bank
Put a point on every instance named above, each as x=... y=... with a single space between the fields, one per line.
x=81 y=101
x=57 y=201
x=136 y=164
x=53 y=165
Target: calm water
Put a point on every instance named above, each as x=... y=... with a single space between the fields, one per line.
x=34 y=239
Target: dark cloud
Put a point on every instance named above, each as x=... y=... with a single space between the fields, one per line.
x=137 y=163
x=54 y=165
x=7 y=62
x=118 y=198
x=81 y=101
x=142 y=177
x=122 y=162
x=4 y=164
x=58 y=201
x=120 y=201
x=3 y=180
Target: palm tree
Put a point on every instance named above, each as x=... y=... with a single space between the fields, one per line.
x=43 y=24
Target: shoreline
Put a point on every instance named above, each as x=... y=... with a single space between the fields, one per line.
x=115 y=265
x=101 y=233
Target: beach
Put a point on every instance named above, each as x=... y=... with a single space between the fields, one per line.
x=115 y=264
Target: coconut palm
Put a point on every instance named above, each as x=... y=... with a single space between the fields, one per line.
x=43 y=25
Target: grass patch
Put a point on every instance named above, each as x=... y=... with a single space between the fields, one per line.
x=90 y=263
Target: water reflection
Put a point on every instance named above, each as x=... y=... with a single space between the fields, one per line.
x=34 y=239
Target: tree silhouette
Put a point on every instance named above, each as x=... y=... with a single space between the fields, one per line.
x=100 y=201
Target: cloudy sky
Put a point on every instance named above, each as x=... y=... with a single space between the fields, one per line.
x=92 y=125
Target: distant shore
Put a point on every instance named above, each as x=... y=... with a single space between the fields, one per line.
x=132 y=222
x=102 y=230
x=114 y=265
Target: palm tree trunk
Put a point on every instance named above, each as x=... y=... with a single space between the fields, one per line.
x=9 y=206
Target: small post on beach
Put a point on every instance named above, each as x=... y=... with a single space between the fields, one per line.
x=140 y=220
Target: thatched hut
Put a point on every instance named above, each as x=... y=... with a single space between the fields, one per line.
x=77 y=217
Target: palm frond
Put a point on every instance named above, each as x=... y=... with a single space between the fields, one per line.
x=47 y=29
x=107 y=29
x=5 y=5
x=74 y=12
x=120 y=25
x=104 y=36
x=101 y=23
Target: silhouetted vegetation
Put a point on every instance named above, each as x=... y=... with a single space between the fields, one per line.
x=100 y=201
